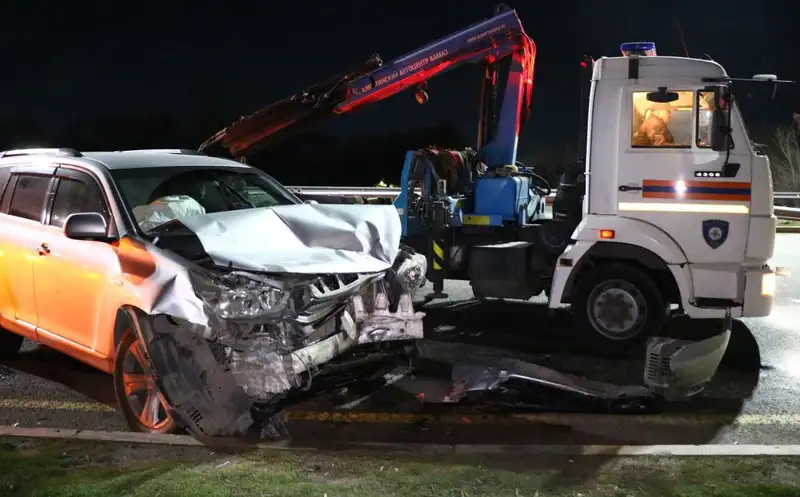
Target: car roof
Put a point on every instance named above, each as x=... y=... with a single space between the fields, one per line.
x=136 y=159
x=125 y=159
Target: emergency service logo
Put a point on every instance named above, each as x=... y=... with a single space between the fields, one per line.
x=715 y=232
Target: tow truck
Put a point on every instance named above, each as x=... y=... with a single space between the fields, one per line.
x=650 y=228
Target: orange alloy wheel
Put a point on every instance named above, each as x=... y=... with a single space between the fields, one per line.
x=137 y=394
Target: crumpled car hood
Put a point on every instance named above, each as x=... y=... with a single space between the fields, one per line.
x=302 y=238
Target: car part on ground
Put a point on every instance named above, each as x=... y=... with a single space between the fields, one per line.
x=674 y=369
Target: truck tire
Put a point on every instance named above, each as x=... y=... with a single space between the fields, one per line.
x=618 y=306
x=10 y=343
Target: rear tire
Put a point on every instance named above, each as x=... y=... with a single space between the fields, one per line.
x=137 y=395
x=10 y=343
x=617 y=306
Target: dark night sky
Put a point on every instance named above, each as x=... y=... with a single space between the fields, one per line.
x=82 y=58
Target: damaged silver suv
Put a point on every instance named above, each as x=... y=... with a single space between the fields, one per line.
x=208 y=290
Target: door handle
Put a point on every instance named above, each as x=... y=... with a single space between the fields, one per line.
x=628 y=188
x=43 y=249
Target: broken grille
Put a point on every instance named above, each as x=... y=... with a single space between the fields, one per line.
x=328 y=294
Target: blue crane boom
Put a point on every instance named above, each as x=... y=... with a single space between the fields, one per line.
x=485 y=42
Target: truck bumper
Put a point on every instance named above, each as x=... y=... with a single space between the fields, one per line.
x=677 y=369
x=759 y=291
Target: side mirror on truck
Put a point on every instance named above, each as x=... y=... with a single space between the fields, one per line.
x=721 y=120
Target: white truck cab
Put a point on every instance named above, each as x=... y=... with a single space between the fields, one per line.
x=673 y=181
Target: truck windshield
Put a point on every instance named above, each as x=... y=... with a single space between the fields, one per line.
x=157 y=195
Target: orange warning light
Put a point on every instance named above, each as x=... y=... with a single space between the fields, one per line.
x=607 y=234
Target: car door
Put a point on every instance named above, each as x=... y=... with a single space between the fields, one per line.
x=22 y=210
x=72 y=276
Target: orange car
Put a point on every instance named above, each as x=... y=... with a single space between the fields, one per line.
x=206 y=288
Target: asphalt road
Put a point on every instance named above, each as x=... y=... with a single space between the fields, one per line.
x=754 y=399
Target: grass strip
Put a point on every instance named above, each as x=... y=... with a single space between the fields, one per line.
x=44 y=468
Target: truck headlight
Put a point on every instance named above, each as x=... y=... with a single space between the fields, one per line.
x=768 y=283
x=249 y=302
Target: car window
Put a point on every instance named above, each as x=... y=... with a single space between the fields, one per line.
x=73 y=196
x=27 y=201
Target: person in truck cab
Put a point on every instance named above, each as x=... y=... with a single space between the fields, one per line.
x=654 y=131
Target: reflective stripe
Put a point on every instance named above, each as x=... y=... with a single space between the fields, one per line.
x=683 y=207
x=696 y=190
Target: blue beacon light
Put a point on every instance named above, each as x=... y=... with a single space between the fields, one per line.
x=640 y=48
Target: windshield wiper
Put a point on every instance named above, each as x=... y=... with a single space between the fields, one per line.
x=232 y=191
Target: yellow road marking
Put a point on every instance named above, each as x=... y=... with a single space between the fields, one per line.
x=56 y=405
x=466 y=419
x=549 y=418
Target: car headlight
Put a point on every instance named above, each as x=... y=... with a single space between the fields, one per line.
x=411 y=273
x=251 y=301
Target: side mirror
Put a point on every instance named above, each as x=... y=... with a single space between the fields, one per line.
x=722 y=97
x=89 y=226
x=662 y=96
x=721 y=120
x=311 y=201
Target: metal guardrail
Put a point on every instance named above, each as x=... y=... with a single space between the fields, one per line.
x=386 y=192
x=782 y=212
x=354 y=191
x=791 y=213
x=346 y=191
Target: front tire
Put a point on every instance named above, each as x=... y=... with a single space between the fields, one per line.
x=138 y=398
x=618 y=306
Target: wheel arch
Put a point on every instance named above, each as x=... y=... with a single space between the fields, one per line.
x=122 y=322
x=640 y=257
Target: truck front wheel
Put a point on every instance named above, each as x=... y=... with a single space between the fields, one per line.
x=618 y=306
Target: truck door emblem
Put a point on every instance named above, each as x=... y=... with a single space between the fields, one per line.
x=715 y=232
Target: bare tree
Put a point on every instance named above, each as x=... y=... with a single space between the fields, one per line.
x=785 y=158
